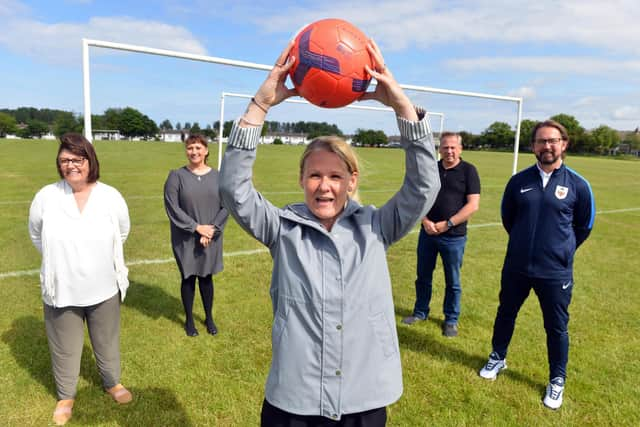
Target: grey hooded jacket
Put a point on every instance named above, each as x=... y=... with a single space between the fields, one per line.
x=334 y=341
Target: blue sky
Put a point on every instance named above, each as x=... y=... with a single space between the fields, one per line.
x=576 y=57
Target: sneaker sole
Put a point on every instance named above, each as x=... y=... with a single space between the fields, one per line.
x=494 y=377
x=551 y=407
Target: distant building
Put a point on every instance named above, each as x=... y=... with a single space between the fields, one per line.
x=106 y=135
x=286 y=138
x=625 y=148
x=170 y=135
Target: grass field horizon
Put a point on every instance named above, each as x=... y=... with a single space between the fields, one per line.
x=219 y=381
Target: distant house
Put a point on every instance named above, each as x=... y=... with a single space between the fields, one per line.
x=106 y=135
x=286 y=138
x=394 y=141
x=625 y=148
x=290 y=138
x=170 y=135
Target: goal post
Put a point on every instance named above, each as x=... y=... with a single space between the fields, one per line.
x=87 y=43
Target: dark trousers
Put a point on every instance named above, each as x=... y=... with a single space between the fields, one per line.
x=554 y=297
x=274 y=417
x=451 y=250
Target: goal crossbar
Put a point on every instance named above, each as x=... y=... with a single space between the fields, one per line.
x=86 y=43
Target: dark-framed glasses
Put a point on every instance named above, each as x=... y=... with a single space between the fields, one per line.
x=73 y=162
x=550 y=141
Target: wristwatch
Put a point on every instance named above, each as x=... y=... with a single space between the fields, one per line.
x=450 y=224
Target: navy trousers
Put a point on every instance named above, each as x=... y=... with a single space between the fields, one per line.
x=554 y=297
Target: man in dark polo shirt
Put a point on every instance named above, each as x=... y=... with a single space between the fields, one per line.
x=444 y=232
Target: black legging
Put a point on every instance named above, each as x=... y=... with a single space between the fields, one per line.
x=188 y=290
x=276 y=417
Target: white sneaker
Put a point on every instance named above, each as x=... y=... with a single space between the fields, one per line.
x=555 y=391
x=493 y=367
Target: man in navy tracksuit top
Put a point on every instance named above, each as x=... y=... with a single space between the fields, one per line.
x=548 y=211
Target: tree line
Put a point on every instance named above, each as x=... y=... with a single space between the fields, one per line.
x=500 y=135
x=29 y=122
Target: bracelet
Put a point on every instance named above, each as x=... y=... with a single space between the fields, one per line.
x=250 y=123
x=258 y=105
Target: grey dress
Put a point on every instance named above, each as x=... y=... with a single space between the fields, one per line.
x=189 y=200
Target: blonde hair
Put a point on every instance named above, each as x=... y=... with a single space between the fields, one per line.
x=338 y=146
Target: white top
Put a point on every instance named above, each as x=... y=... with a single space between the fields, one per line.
x=544 y=175
x=82 y=261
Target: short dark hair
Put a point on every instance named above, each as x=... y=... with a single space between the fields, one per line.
x=549 y=124
x=78 y=145
x=197 y=138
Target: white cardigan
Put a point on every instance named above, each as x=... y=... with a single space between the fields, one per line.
x=82 y=256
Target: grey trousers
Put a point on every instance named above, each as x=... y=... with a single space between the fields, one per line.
x=65 y=333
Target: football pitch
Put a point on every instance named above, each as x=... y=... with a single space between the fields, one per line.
x=219 y=381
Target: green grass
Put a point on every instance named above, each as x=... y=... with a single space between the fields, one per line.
x=180 y=381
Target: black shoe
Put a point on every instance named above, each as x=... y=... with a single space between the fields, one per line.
x=211 y=327
x=410 y=320
x=191 y=331
x=450 y=330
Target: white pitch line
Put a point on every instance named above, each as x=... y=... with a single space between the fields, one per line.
x=617 y=211
x=18 y=273
x=257 y=251
x=14 y=202
x=135 y=262
x=168 y=260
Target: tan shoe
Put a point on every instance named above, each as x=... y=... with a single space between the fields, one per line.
x=120 y=394
x=62 y=413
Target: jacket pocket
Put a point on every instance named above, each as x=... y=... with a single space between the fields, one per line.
x=383 y=333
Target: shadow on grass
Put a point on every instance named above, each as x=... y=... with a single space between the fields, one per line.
x=419 y=340
x=150 y=407
x=154 y=302
x=27 y=340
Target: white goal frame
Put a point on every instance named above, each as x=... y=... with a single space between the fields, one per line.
x=86 y=43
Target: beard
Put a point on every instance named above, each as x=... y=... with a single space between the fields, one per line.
x=547 y=157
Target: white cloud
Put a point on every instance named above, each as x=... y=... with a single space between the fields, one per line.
x=546 y=64
x=525 y=92
x=587 y=101
x=9 y=8
x=61 y=42
x=626 y=112
x=396 y=24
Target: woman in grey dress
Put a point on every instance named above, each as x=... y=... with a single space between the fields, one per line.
x=197 y=220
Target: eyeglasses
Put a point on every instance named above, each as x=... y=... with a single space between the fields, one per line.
x=73 y=162
x=550 y=141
